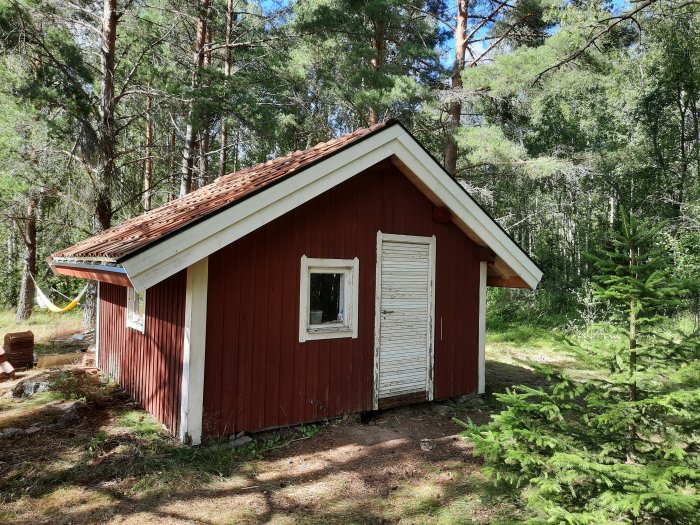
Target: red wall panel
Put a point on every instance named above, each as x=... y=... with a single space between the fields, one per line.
x=258 y=375
x=149 y=365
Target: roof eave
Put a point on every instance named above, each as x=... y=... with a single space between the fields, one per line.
x=101 y=271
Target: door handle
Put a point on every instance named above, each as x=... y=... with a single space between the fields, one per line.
x=387 y=311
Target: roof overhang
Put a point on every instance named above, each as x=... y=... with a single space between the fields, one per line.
x=511 y=266
x=94 y=271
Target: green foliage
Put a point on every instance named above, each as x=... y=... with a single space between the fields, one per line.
x=619 y=449
x=540 y=308
x=636 y=277
x=77 y=384
x=378 y=56
x=550 y=155
x=686 y=251
x=564 y=450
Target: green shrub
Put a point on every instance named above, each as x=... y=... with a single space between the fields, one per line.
x=77 y=384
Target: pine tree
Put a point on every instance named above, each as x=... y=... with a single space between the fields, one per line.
x=375 y=57
x=625 y=447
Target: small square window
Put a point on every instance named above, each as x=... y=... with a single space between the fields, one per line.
x=136 y=309
x=328 y=298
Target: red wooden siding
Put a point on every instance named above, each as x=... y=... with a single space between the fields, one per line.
x=258 y=375
x=149 y=365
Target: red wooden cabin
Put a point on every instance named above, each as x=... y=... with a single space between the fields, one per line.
x=345 y=278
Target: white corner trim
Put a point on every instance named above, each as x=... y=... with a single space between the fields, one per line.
x=377 y=319
x=351 y=273
x=194 y=349
x=431 y=329
x=97 y=327
x=483 y=269
x=200 y=240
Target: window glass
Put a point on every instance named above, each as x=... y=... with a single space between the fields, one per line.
x=141 y=303
x=326 y=298
x=136 y=309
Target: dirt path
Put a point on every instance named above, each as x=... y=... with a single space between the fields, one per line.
x=403 y=464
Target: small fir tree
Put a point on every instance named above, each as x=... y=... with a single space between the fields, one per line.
x=622 y=448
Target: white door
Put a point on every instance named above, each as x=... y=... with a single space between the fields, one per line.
x=404 y=319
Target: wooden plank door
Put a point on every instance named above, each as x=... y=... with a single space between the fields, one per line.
x=405 y=306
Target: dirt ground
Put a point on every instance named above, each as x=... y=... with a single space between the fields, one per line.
x=401 y=465
x=112 y=464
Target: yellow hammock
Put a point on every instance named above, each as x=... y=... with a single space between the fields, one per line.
x=45 y=302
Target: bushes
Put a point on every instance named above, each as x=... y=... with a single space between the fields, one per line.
x=78 y=384
x=623 y=447
x=567 y=451
x=542 y=308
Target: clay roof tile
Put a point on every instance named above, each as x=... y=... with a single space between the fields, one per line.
x=143 y=230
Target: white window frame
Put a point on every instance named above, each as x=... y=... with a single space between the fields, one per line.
x=350 y=268
x=133 y=319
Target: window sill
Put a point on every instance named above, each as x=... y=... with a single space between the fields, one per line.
x=139 y=327
x=329 y=332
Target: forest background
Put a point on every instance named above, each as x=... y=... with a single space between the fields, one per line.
x=559 y=117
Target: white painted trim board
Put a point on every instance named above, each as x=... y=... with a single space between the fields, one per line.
x=483 y=270
x=97 y=328
x=194 y=350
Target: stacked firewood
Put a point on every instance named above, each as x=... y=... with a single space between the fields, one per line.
x=20 y=349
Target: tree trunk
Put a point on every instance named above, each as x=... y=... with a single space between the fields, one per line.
x=190 y=133
x=148 y=168
x=90 y=306
x=632 y=427
x=106 y=131
x=223 y=154
x=612 y=209
x=25 y=304
x=187 y=161
x=455 y=109
x=203 y=158
x=377 y=61
x=11 y=265
x=223 y=144
x=234 y=161
x=106 y=128
x=373 y=117
x=203 y=169
x=633 y=353
x=172 y=192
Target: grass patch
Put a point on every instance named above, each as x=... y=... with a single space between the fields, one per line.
x=524 y=334
x=45 y=325
x=117 y=462
x=425 y=505
x=458 y=512
x=573 y=352
x=139 y=423
x=114 y=444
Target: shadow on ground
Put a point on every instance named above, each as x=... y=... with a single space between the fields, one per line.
x=500 y=376
x=113 y=464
